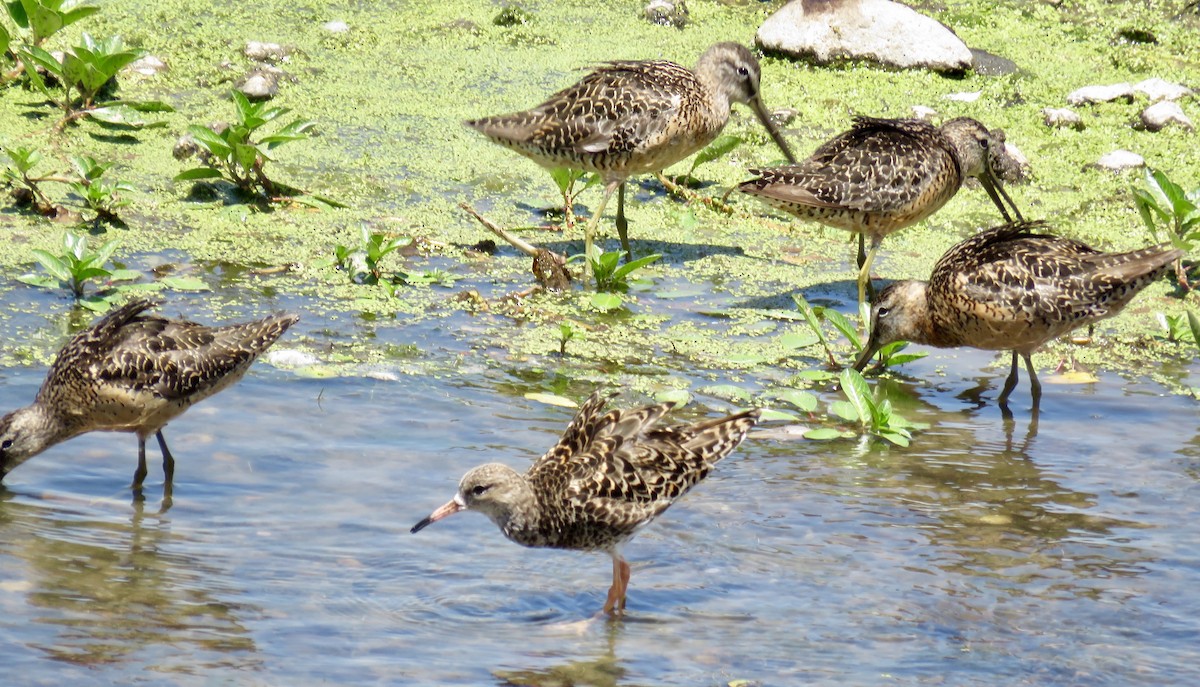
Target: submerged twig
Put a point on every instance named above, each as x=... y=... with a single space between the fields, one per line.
x=549 y=268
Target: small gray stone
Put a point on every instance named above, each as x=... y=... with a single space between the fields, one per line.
x=1089 y=95
x=1062 y=118
x=1157 y=89
x=266 y=52
x=1163 y=113
x=667 y=13
x=1121 y=160
x=185 y=147
x=336 y=26
x=880 y=31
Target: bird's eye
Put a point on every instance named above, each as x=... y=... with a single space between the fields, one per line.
x=882 y=311
x=7 y=444
x=742 y=71
x=479 y=490
x=983 y=143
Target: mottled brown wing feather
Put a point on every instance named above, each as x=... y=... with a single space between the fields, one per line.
x=861 y=169
x=594 y=116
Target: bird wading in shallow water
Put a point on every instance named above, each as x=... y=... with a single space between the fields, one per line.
x=884 y=175
x=132 y=372
x=629 y=118
x=1012 y=287
x=609 y=475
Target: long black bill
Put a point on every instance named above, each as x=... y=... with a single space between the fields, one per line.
x=995 y=190
x=760 y=111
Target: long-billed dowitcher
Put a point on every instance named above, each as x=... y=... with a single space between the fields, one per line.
x=883 y=175
x=609 y=474
x=131 y=372
x=629 y=118
x=1012 y=287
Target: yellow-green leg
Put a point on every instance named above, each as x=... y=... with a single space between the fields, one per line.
x=622 y=225
x=864 y=272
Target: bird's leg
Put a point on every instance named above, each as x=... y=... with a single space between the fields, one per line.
x=168 y=459
x=139 y=475
x=675 y=189
x=1010 y=383
x=624 y=582
x=622 y=225
x=864 y=272
x=862 y=250
x=614 y=592
x=1035 y=387
x=590 y=229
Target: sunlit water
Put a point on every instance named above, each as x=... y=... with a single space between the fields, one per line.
x=988 y=553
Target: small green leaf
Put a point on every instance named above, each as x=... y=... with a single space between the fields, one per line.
x=845 y=410
x=804 y=400
x=184 y=284
x=822 y=434
x=43 y=281
x=1194 y=325
x=628 y=267
x=843 y=325
x=198 y=173
x=771 y=414
x=859 y=394
x=605 y=302
x=680 y=397
x=124 y=275
x=720 y=147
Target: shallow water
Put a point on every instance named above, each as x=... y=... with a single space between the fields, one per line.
x=989 y=552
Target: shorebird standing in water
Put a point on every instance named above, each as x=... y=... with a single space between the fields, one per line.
x=884 y=175
x=609 y=475
x=131 y=372
x=629 y=118
x=1012 y=287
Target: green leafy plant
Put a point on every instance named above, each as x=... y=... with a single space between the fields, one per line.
x=565 y=333
x=1163 y=202
x=873 y=412
x=613 y=278
x=21 y=162
x=362 y=260
x=237 y=153
x=84 y=74
x=888 y=356
x=41 y=19
x=75 y=267
x=100 y=195
x=1181 y=328
x=1170 y=214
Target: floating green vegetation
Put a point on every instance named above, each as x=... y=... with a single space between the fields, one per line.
x=613 y=278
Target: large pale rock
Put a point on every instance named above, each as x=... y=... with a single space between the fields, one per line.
x=881 y=31
x=1157 y=89
x=1090 y=95
x=1164 y=112
x=1121 y=160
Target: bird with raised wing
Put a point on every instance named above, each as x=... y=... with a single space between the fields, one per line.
x=609 y=475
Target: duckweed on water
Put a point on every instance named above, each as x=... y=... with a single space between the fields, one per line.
x=387 y=99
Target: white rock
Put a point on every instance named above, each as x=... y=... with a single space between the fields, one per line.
x=1120 y=160
x=878 y=30
x=1165 y=112
x=923 y=113
x=265 y=52
x=1017 y=156
x=1100 y=94
x=259 y=85
x=1156 y=89
x=1062 y=118
x=336 y=26
x=147 y=66
x=290 y=357
x=964 y=97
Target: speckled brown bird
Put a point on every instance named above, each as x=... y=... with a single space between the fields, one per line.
x=131 y=372
x=1012 y=287
x=629 y=118
x=609 y=475
x=884 y=175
